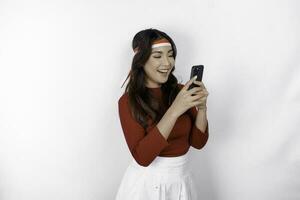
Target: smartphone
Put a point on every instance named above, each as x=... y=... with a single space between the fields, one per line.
x=196 y=70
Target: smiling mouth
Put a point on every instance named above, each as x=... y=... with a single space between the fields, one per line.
x=163 y=72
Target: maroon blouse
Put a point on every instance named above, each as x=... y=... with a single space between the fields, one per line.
x=146 y=145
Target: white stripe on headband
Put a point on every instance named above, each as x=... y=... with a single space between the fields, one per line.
x=158 y=45
x=161 y=44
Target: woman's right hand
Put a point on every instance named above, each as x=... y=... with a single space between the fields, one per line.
x=184 y=99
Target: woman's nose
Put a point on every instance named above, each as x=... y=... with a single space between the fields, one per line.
x=166 y=61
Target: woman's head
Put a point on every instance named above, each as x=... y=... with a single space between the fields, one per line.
x=154 y=53
x=159 y=64
x=154 y=50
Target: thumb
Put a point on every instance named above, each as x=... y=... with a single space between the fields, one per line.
x=186 y=86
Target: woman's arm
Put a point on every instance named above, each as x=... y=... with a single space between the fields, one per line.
x=199 y=133
x=144 y=145
x=201 y=120
x=200 y=128
x=167 y=122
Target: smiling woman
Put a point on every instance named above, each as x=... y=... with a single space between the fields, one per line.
x=157 y=115
x=152 y=67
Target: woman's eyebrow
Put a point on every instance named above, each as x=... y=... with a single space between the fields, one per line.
x=161 y=51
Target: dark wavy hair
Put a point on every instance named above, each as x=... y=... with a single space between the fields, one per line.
x=143 y=105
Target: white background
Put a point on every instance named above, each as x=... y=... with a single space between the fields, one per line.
x=62 y=64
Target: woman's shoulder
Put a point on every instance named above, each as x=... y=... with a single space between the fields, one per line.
x=123 y=98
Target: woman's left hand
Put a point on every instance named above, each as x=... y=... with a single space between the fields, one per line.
x=203 y=95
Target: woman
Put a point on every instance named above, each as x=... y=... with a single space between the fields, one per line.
x=160 y=122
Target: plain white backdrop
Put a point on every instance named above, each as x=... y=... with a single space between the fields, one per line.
x=62 y=64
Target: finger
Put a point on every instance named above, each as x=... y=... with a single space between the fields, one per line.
x=200 y=83
x=194 y=90
x=205 y=92
x=200 y=90
x=187 y=85
x=203 y=95
x=196 y=97
x=203 y=98
x=197 y=84
x=199 y=97
x=195 y=103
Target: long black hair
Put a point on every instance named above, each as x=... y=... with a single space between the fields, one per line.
x=141 y=101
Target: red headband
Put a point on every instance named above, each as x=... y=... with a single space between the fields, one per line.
x=157 y=43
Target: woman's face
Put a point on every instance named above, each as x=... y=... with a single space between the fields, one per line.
x=159 y=66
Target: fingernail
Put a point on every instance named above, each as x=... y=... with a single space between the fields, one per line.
x=195 y=77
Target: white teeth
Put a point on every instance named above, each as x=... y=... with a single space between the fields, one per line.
x=163 y=71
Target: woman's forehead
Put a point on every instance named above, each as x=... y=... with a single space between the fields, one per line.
x=161 y=49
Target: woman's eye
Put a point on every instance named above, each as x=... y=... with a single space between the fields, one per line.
x=160 y=56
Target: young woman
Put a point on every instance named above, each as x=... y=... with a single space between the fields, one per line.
x=160 y=119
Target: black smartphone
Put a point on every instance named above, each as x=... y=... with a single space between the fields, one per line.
x=196 y=70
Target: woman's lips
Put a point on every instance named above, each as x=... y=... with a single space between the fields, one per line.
x=163 y=73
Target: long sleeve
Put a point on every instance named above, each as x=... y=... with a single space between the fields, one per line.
x=144 y=145
x=197 y=138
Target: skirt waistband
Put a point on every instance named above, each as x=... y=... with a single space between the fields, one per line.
x=176 y=165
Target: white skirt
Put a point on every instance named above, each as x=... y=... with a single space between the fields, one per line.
x=166 y=178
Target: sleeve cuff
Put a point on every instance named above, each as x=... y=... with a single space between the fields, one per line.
x=198 y=138
x=198 y=131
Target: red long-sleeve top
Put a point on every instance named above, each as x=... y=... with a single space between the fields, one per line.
x=146 y=144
